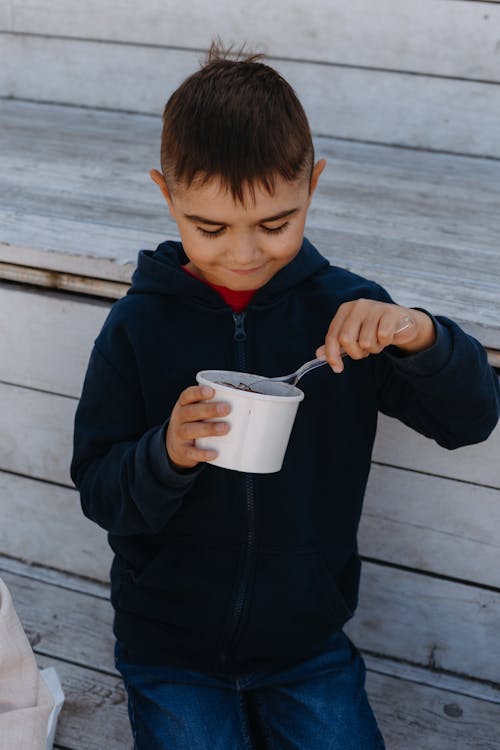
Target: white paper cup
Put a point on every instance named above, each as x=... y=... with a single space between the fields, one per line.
x=260 y=423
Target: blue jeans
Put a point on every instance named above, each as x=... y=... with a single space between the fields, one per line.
x=316 y=704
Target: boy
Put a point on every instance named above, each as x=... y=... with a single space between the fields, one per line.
x=230 y=590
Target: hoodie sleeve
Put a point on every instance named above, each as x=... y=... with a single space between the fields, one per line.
x=126 y=482
x=448 y=392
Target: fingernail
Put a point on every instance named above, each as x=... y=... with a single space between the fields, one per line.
x=220 y=427
x=206 y=391
x=221 y=408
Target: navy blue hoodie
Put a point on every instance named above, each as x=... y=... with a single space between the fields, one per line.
x=225 y=571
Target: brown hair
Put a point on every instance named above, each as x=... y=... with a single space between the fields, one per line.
x=237 y=120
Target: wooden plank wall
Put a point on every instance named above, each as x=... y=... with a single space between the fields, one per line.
x=429 y=534
x=423 y=74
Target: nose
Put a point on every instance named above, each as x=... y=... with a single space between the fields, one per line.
x=244 y=249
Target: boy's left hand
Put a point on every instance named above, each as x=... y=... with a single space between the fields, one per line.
x=364 y=326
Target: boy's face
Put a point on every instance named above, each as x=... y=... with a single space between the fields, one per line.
x=240 y=246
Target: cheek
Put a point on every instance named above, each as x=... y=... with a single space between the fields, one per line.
x=286 y=246
x=198 y=248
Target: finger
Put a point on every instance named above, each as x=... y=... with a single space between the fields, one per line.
x=195 y=393
x=406 y=330
x=203 y=410
x=191 y=430
x=190 y=456
x=368 y=337
x=348 y=337
x=332 y=349
x=333 y=353
x=392 y=325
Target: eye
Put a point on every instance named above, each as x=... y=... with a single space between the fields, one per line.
x=275 y=230
x=210 y=235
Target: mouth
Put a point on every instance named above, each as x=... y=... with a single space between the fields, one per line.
x=245 y=271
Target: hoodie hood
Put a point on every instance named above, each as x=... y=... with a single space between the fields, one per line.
x=160 y=272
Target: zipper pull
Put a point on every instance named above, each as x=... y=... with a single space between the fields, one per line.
x=239 y=326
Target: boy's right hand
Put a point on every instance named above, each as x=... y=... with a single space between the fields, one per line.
x=187 y=423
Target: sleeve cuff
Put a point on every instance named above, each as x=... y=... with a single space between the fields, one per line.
x=161 y=465
x=429 y=361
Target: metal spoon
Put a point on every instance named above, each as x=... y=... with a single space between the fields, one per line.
x=294 y=377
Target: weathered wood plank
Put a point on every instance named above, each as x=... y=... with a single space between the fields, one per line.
x=445 y=38
x=397 y=445
x=63 y=623
x=44 y=525
x=74 y=283
x=35 y=433
x=432 y=524
x=94 y=714
x=47 y=339
x=64 y=579
x=428 y=622
x=442 y=680
x=413 y=717
x=64 y=244
x=403 y=109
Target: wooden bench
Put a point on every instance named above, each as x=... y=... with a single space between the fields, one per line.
x=410 y=198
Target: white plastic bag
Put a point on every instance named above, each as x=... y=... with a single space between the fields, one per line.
x=28 y=710
x=53 y=683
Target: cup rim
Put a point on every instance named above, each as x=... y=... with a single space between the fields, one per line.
x=205 y=377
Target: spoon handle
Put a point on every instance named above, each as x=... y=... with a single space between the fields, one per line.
x=306 y=367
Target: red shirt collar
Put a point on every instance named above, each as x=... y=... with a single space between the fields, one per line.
x=237 y=300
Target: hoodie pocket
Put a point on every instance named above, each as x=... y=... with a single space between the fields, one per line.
x=295 y=602
x=187 y=585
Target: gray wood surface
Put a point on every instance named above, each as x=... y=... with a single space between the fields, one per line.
x=48 y=337
x=431 y=719
x=44 y=525
x=440 y=38
x=64 y=623
x=428 y=621
x=432 y=524
x=397 y=445
x=369 y=104
x=94 y=715
x=433 y=678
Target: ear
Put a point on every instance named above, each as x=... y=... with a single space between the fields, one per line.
x=316 y=173
x=160 y=181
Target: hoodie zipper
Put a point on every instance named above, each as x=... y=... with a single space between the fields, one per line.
x=240 y=336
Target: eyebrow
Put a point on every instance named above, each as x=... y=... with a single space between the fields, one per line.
x=211 y=222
